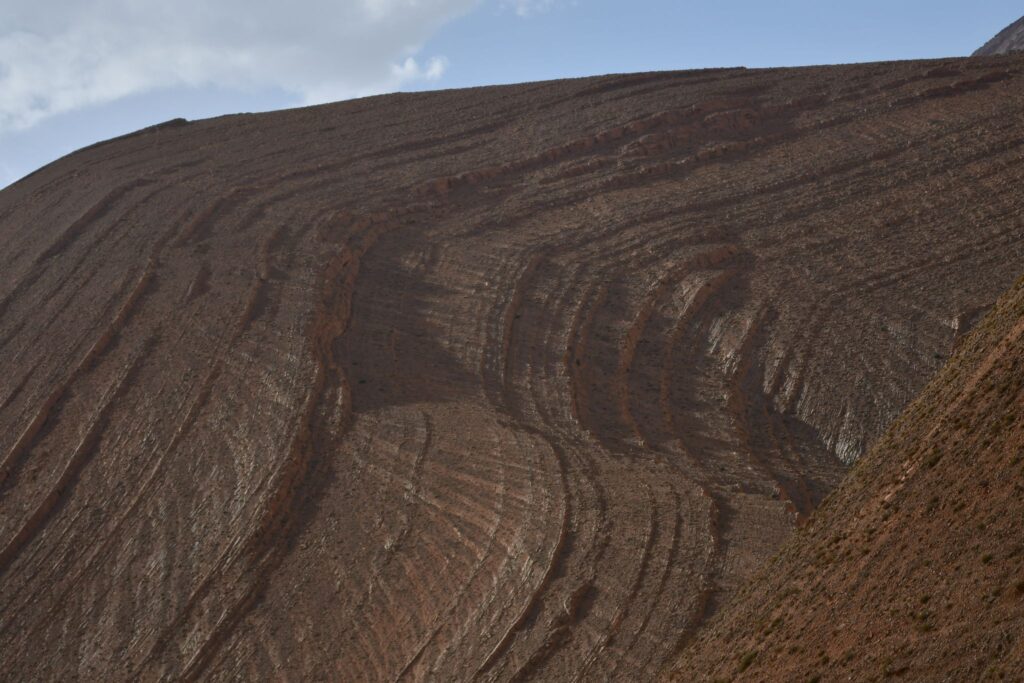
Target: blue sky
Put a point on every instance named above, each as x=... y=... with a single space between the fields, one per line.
x=73 y=72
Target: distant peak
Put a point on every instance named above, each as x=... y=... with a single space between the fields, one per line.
x=1010 y=39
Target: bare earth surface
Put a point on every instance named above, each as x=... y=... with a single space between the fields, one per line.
x=504 y=383
x=914 y=568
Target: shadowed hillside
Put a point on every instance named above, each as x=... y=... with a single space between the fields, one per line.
x=1010 y=39
x=915 y=567
x=504 y=383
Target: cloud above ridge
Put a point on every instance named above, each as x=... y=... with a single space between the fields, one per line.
x=526 y=8
x=62 y=55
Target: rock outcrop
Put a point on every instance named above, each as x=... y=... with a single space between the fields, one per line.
x=1010 y=39
x=914 y=568
x=506 y=383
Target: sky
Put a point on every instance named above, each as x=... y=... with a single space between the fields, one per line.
x=74 y=72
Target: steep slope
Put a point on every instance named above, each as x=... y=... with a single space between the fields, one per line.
x=914 y=568
x=1008 y=40
x=502 y=383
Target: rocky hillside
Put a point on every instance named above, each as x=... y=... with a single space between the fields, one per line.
x=914 y=568
x=1010 y=39
x=504 y=383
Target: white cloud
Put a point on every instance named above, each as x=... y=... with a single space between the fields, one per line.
x=7 y=175
x=60 y=55
x=410 y=69
x=525 y=8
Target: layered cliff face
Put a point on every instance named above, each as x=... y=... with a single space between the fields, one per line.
x=1010 y=39
x=504 y=383
x=915 y=566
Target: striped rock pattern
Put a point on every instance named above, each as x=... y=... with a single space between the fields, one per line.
x=499 y=384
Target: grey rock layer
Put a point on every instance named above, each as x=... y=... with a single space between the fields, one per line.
x=1010 y=39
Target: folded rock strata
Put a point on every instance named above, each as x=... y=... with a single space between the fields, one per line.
x=505 y=383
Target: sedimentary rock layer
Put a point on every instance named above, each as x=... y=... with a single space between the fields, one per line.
x=914 y=568
x=504 y=383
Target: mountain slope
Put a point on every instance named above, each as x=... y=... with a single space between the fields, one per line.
x=915 y=566
x=1008 y=40
x=502 y=383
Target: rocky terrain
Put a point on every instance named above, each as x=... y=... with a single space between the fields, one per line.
x=501 y=384
x=1010 y=39
x=914 y=568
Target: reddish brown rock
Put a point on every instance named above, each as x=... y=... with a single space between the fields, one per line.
x=914 y=568
x=448 y=386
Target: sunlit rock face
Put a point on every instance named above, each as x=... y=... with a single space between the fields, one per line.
x=505 y=383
